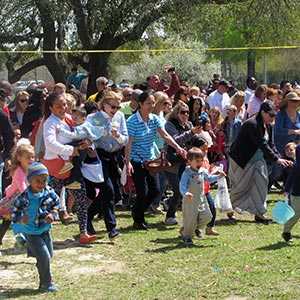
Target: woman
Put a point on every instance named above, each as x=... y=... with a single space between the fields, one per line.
x=17 y=111
x=238 y=100
x=256 y=100
x=181 y=129
x=248 y=157
x=109 y=149
x=142 y=129
x=55 y=145
x=181 y=95
x=196 y=105
x=287 y=123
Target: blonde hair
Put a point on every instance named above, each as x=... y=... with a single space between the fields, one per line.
x=109 y=96
x=219 y=117
x=238 y=95
x=177 y=108
x=71 y=101
x=195 y=89
x=20 y=94
x=160 y=98
x=19 y=151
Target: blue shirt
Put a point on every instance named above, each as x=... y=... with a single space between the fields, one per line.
x=107 y=142
x=76 y=79
x=143 y=134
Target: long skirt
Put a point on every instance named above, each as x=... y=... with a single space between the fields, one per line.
x=249 y=186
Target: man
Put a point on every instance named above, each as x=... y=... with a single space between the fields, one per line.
x=129 y=107
x=75 y=78
x=6 y=145
x=251 y=87
x=101 y=84
x=220 y=98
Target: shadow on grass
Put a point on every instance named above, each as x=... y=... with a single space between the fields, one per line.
x=7 y=264
x=13 y=251
x=276 y=246
x=17 y=293
x=160 y=226
x=227 y=222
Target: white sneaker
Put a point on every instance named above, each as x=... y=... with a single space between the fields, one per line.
x=171 y=221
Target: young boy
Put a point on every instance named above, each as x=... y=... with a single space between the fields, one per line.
x=292 y=188
x=82 y=130
x=35 y=209
x=195 y=208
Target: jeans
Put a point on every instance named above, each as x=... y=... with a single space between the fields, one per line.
x=147 y=189
x=104 y=201
x=162 y=186
x=41 y=247
x=212 y=208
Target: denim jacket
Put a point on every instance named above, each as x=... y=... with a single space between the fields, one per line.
x=49 y=202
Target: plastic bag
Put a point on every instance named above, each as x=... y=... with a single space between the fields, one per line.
x=282 y=212
x=222 y=199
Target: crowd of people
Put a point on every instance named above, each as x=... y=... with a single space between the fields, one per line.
x=65 y=153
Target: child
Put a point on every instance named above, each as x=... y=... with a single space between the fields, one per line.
x=22 y=157
x=35 y=209
x=289 y=154
x=195 y=208
x=82 y=130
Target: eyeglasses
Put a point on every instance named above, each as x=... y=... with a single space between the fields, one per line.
x=114 y=106
x=184 y=112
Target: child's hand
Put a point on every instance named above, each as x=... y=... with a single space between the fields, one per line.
x=49 y=218
x=189 y=197
x=25 y=219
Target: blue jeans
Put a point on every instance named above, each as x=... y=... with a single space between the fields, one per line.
x=41 y=247
x=173 y=180
x=162 y=186
x=1 y=173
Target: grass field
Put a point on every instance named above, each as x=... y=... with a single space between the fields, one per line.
x=247 y=261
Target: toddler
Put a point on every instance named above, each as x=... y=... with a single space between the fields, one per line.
x=195 y=208
x=35 y=209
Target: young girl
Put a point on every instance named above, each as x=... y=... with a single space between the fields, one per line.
x=22 y=157
x=35 y=209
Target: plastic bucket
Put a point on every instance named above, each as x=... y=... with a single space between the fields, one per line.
x=282 y=212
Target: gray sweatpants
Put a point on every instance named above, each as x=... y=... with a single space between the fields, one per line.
x=195 y=215
x=295 y=204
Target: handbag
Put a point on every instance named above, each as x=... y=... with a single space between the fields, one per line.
x=54 y=166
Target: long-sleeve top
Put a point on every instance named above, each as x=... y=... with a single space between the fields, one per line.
x=216 y=99
x=248 y=94
x=107 y=142
x=200 y=175
x=55 y=142
x=6 y=137
x=292 y=185
x=231 y=130
x=83 y=131
x=36 y=206
x=253 y=105
x=282 y=125
x=19 y=183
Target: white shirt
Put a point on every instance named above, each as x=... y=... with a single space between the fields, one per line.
x=215 y=99
x=253 y=106
x=55 y=143
x=248 y=94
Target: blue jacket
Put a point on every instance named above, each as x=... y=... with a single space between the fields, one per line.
x=282 y=125
x=231 y=131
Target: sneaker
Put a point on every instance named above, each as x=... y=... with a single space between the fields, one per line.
x=156 y=210
x=73 y=186
x=86 y=238
x=287 y=237
x=171 y=221
x=187 y=241
x=52 y=288
x=113 y=234
x=211 y=231
x=139 y=226
x=68 y=166
x=198 y=234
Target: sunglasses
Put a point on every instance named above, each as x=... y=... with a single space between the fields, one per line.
x=114 y=106
x=23 y=100
x=184 y=112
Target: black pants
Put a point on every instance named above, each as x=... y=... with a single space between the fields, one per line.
x=3 y=229
x=147 y=188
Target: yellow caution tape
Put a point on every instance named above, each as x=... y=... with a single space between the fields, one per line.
x=149 y=50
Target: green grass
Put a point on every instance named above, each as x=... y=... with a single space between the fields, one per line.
x=247 y=261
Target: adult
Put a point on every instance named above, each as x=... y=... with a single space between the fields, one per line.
x=220 y=98
x=17 y=111
x=287 y=123
x=238 y=100
x=182 y=94
x=286 y=87
x=55 y=146
x=3 y=102
x=181 y=129
x=101 y=84
x=142 y=129
x=256 y=100
x=6 y=145
x=250 y=90
x=196 y=105
x=130 y=107
x=33 y=112
x=248 y=157
x=275 y=96
x=75 y=78
x=127 y=94
x=109 y=149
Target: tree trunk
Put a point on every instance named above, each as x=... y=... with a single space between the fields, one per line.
x=98 y=66
x=251 y=60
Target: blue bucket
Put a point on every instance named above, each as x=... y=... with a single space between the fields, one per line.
x=282 y=212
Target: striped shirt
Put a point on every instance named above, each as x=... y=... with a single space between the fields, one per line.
x=143 y=134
